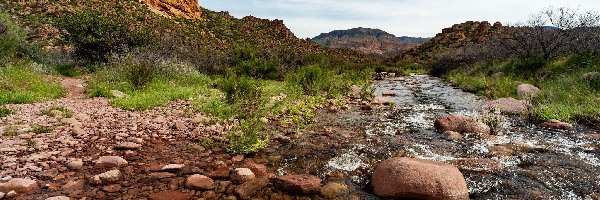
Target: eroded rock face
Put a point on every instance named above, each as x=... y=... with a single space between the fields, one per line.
x=188 y=9
x=420 y=179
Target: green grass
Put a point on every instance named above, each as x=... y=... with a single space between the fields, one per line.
x=10 y=131
x=37 y=129
x=565 y=94
x=5 y=112
x=66 y=113
x=21 y=83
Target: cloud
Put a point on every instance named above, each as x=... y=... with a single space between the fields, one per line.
x=308 y=18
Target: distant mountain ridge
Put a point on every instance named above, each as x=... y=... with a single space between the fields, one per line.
x=367 y=40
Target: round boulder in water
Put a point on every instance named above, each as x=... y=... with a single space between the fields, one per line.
x=462 y=124
x=416 y=178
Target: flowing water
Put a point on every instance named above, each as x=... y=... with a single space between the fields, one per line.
x=531 y=163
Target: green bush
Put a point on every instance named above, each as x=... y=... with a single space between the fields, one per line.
x=244 y=93
x=12 y=38
x=96 y=36
x=5 y=112
x=249 y=138
x=312 y=79
x=248 y=61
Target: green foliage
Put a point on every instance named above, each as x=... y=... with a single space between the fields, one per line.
x=37 y=129
x=66 y=113
x=75 y=70
x=12 y=38
x=249 y=61
x=247 y=138
x=10 y=131
x=312 y=79
x=207 y=143
x=243 y=93
x=5 y=112
x=22 y=82
x=96 y=36
x=217 y=107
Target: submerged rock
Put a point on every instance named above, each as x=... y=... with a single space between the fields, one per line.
x=333 y=190
x=462 y=124
x=556 y=125
x=416 y=178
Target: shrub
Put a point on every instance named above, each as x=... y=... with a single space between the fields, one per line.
x=249 y=138
x=12 y=38
x=96 y=36
x=312 y=79
x=5 y=112
x=74 y=70
x=41 y=129
x=243 y=92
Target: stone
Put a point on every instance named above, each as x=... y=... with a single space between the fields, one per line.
x=199 y=182
x=379 y=101
x=591 y=75
x=528 y=90
x=462 y=124
x=78 y=131
x=389 y=94
x=454 y=135
x=58 y=198
x=74 y=185
x=241 y=175
x=556 y=125
x=128 y=146
x=366 y=107
x=259 y=170
x=56 y=113
x=19 y=185
x=189 y=9
x=108 y=177
x=415 y=178
x=477 y=165
x=118 y=94
x=510 y=106
x=75 y=165
x=355 y=91
x=110 y=162
x=297 y=184
x=498 y=75
x=172 y=167
x=171 y=195
x=249 y=189
x=11 y=194
x=179 y=125
x=333 y=190
x=162 y=175
x=2 y=194
x=112 y=188
x=237 y=158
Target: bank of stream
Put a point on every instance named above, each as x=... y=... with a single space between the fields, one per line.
x=521 y=161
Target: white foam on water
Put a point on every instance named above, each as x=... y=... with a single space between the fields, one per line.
x=424 y=153
x=346 y=162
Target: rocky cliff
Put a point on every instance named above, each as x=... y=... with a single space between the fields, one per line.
x=188 y=9
x=365 y=40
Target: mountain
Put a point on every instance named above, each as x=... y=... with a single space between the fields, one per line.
x=366 y=40
x=456 y=36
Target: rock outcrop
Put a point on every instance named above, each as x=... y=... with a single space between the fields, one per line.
x=411 y=178
x=188 y=9
x=366 y=40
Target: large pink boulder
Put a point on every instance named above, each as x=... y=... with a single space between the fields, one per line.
x=510 y=105
x=462 y=124
x=418 y=179
x=528 y=90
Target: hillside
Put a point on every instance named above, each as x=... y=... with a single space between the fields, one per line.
x=366 y=40
x=451 y=38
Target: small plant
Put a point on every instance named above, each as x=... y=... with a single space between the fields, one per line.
x=10 y=131
x=65 y=112
x=367 y=93
x=494 y=121
x=139 y=74
x=248 y=138
x=207 y=143
x=31 y=142
x=244 y=93
x=37 y=129
x=5 y=112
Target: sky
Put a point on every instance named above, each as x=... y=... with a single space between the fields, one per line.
x=424 y=18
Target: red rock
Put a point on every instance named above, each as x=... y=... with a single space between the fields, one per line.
x=240 y=175
x=416 y=178
x=237 y=158
x=556 y=125
x=112 y=188
x=110 y=162
x=199 y=182
x=259 y=170
x=251 y=188
x=510 y=105
x=462 y=124
x=379 y=100
x=219 y=173
x=389 y=93
x=171 y=195
x=108 y=177
x=297 y=184
x=19 y=185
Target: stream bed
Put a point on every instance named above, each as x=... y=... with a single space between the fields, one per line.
x=519 y=162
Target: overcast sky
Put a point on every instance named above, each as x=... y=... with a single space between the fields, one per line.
x=309 y=18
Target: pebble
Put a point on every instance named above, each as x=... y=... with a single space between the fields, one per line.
x=332 y=190
x=59 y=198
x=75 y=165
x=111 y=161
x=199 y=182
x=108 y=177
x=172 y=167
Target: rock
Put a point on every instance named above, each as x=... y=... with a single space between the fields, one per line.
x=355 y=91
x=528 y=90
x=112 y=188
x=171 y=195
x=57 y=198
x=389 y=93
x=454 y=135
x=118 y=94
x=78 y=131
x=556 y=125
x=259 y=170
x=11 y=194
x=162 y=175
x=75 y=165
x=179 y=125
x=462 y=124
x=498 y=75
x=510 y=106
x=188 y=9
x=199 y=182
x=591 y=75
x=241 y=175
x=128 y=146
x=366 y=107
x=379 y=100
x=477 y=165
x=56 y=113
x=332 y=190
x=237 y=158
x=74 y=185
x=2 y=194
x=110 y=162
x=108 y=177
x=19 y=185
x=297 y=184
x=172 y=167
x=415 y=178
x=249 y=189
